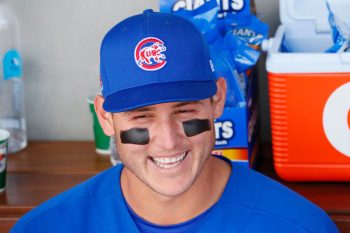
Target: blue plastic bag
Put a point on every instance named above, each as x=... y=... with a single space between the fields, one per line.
x=231 y=56
x=225 y=66
x=340 y=33
x=248 y=28
x=205 y=19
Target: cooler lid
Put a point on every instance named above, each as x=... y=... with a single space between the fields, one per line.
x=310 y=11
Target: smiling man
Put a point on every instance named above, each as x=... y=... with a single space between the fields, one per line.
x=159 y=99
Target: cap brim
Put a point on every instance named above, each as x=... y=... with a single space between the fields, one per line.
x=137 y=97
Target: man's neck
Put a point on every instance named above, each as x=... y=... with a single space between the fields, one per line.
x=166 y=210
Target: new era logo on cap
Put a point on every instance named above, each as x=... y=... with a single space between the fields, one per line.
x=149 y=54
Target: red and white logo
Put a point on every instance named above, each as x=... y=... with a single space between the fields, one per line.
x=149 y=54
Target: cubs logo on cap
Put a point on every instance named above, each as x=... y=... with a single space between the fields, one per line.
x=149 y=54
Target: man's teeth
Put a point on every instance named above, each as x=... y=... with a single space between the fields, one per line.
x=169 y=162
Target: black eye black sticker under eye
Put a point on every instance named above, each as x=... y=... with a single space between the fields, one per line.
x=196 y=126
x=138 y=136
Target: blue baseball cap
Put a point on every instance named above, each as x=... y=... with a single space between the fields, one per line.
x=154 y=58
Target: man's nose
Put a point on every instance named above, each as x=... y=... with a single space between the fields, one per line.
x=168 y=134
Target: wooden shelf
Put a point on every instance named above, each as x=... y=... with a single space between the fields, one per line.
x=43 y=170
x=46 y=168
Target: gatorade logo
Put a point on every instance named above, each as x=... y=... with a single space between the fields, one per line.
x=149 y=54
x=336 y=119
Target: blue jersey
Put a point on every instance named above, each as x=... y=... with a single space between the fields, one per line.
x=250 y=203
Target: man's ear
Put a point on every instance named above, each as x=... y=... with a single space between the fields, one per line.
x=220 y=97
x=105 y=118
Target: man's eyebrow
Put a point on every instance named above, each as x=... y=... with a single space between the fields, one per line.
x=150 y=108
x=186 y=103
x=138 y=110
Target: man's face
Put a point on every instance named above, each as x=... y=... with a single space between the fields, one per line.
x=166 y=145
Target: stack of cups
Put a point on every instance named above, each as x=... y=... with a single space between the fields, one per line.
x=4 y=137
x=104 y=144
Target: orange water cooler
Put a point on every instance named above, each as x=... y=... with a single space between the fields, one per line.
x=309 y=95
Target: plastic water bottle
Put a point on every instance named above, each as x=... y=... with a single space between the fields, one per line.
x=11 y=83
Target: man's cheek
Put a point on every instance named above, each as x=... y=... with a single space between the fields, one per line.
x=140 y=136
x=137 y=136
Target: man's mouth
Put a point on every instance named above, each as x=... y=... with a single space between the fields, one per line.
x=168 y=162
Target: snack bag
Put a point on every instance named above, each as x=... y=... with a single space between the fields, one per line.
x=230 y=55
x=248 y=28
x=245 y=56
x=205 y=19
x=224 y=6
x=225 y=66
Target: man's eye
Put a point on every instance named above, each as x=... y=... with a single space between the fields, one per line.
x=140 y=117
x=185 y=111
